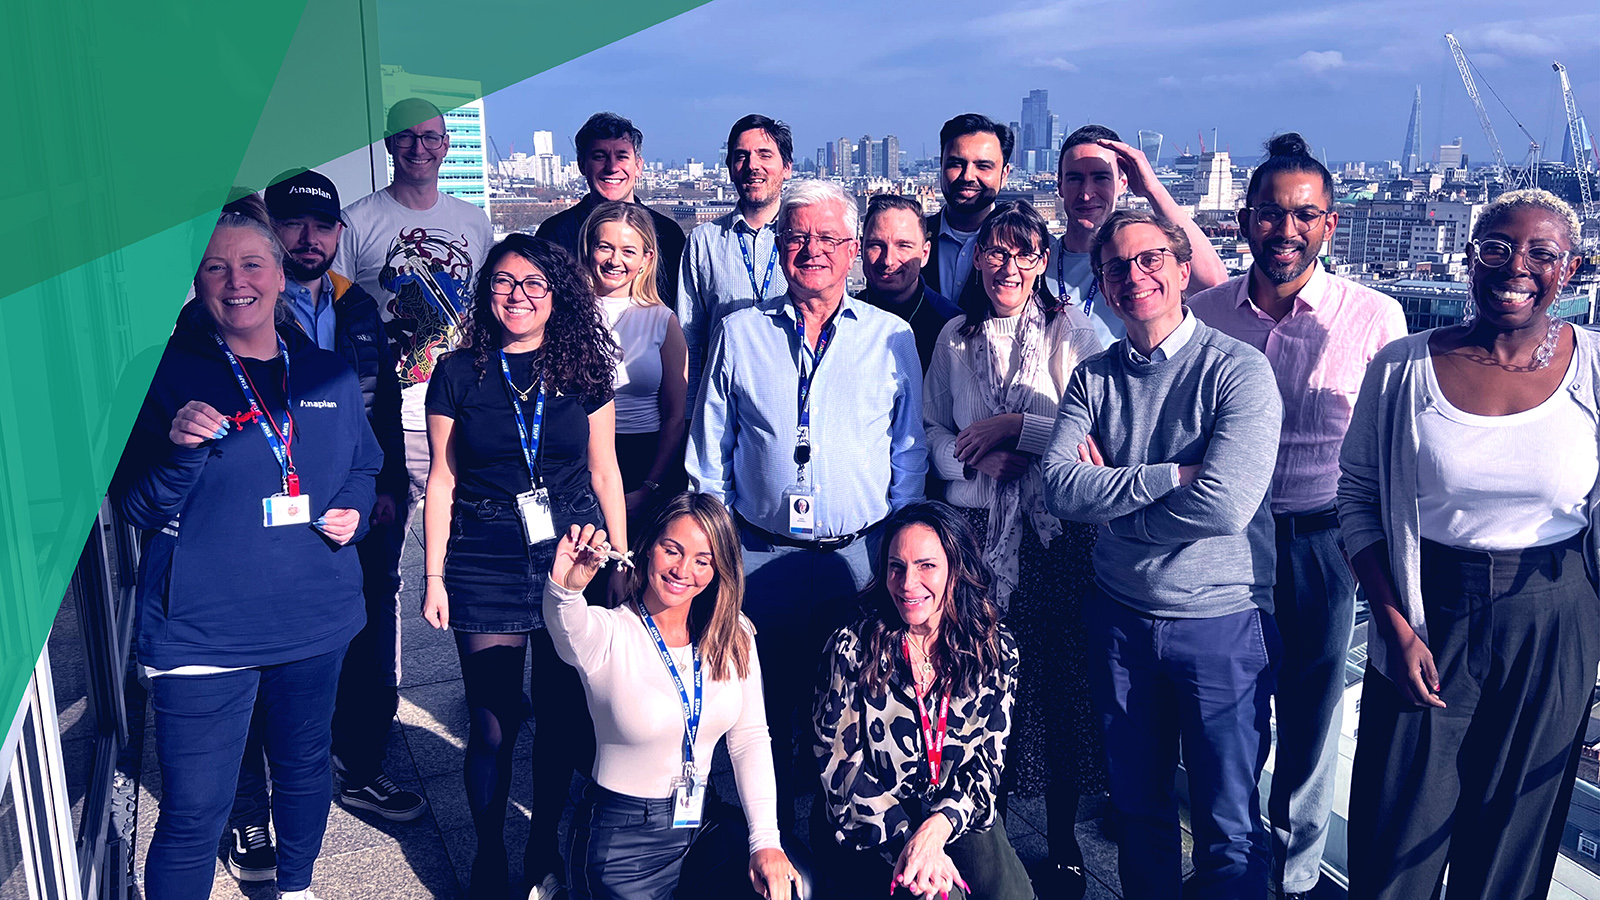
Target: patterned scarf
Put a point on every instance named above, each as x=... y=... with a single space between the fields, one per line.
x=1025 y=495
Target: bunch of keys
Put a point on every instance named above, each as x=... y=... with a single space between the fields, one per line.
x=612 y=556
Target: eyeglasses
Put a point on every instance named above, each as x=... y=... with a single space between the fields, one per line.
x=1149 y=261
x=533 y=287
x=1305 y=218
x=432 y=140
x=999 y=256
x=793 y=241
x=1495 y=253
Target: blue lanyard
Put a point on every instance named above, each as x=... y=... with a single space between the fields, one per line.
x=529 y=436
x=691 y=711
x=750 y=266
x=276 y=439
x=1061 y=276
x=804 y=397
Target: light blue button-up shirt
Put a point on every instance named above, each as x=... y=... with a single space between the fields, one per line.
x=315 y=314
x=956 y=249
x=868 y=453
x=714 y=281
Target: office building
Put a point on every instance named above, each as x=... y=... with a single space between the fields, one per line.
x=465 y=171
x=1411 y=154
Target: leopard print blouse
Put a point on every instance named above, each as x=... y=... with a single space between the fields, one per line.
x=871 y=754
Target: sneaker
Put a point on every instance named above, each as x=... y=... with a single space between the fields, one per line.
x=252 y=857
x=546 y=889
x=382 y=796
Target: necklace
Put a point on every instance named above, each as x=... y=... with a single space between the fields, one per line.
x=922 y=673
x=522 y=394
x=1542 y=354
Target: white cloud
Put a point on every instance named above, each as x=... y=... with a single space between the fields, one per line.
x=1319 y=62
x=1056 y=62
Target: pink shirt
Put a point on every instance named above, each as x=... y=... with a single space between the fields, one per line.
x=1320 y=353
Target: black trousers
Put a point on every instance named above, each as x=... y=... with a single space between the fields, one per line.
x=625 y=848
x=986 y=860
x=1484 y=783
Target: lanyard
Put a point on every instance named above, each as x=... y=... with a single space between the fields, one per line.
x=691 y=711
x=931 y=739
x=823 y=340
x=1061 y=276
x=529 y=436
x=278 y=439
x=750 y=266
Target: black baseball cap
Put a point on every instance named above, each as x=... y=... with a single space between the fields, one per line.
x=301 y=194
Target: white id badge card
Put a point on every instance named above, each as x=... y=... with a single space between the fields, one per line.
x=688 y=799
x=534 y=508
x=801 y=502
x=282 y=509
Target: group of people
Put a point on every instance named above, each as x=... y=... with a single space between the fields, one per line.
x=1155 y=490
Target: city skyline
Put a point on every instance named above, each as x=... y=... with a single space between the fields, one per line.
x=1343 y=75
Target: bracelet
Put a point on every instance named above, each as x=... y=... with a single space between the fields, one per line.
x=430 y=575
x=650 y=486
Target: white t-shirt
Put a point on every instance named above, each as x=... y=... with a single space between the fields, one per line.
x=419 y=265
x=1505 y=482
x=640 y=331
x=1070 y=276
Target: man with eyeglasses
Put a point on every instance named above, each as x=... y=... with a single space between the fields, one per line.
x=974 y=162
x=609 y=148
x=731 y=263
x=1166 y=441
x=1094 y=169
x=1319 y=332
x=415 y=250
x=894 y=250
x=812 y=396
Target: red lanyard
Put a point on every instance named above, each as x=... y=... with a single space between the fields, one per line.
x=291 y=480
x=931 y=739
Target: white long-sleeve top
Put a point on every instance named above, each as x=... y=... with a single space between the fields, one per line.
x=638 y=713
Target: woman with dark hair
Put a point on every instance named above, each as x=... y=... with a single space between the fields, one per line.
x=911 y=723
x=640 y=825
x=521 y=430
x=252 y=466
x=989 y=406
x=1469 y=496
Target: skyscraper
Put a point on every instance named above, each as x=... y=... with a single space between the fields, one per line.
x=891 y=157
x=1213 y=182
x=824 y=154
x=1150 y=145
x=869 y=160
x=1411 y=154
x=1037 y=132
x=465 y=171
x=842 y=166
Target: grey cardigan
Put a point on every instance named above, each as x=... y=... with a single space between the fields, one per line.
x=1378 y=470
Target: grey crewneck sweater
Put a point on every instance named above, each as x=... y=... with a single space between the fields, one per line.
x=1203 y=550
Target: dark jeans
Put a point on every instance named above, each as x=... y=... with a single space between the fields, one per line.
x=1484 y=783
x=625 y=848
x=1314 y=607
x=797 y=598
x=986 y=860
x=202 y=722
x=1204 y=685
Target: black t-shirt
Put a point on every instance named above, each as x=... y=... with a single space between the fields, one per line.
x=489 y=457
x=926 y=321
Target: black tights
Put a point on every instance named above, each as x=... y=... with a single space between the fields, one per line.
x=491 y=669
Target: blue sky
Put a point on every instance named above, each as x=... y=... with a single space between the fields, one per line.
x=1342 y=74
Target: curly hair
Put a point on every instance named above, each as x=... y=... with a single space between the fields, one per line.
x=1501 y=208
x=579 y=354
x=967 y=647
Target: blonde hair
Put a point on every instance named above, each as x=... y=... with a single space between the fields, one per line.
x=714 y=617
x=634 y=216
x=1504 y=205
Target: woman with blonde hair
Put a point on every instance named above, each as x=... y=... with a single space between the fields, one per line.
x=620 y=253
x=668 y=673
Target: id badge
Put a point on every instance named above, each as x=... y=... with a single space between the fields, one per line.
x=282 y=509
x=688 y=799
x=534 y=509
x=801 y=502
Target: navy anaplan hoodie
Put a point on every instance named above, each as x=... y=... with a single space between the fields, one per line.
x=216 y=586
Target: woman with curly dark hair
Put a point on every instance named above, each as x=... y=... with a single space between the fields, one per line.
x=912 y=721
x=521 y=426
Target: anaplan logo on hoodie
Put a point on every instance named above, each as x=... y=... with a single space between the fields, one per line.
x=318 y=404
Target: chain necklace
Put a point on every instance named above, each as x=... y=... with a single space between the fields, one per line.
x=922 y=673
x=1542 y=354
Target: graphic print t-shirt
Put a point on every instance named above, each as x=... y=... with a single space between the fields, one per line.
x=419 y=266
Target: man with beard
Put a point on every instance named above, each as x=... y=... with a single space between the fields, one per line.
x=609 y=148
x=974 y=155
x=894 y=250
x=340 y=316
x=415 y=250
x=731 y=261
x=1319 y=332
x=1094 y=169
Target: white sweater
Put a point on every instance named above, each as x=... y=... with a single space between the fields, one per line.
x=638 y=714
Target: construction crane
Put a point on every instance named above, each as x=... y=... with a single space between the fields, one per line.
x=1501 y=168
x=1579 y=158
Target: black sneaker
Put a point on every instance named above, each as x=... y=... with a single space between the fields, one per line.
x=252 y=857
x=382 y=796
